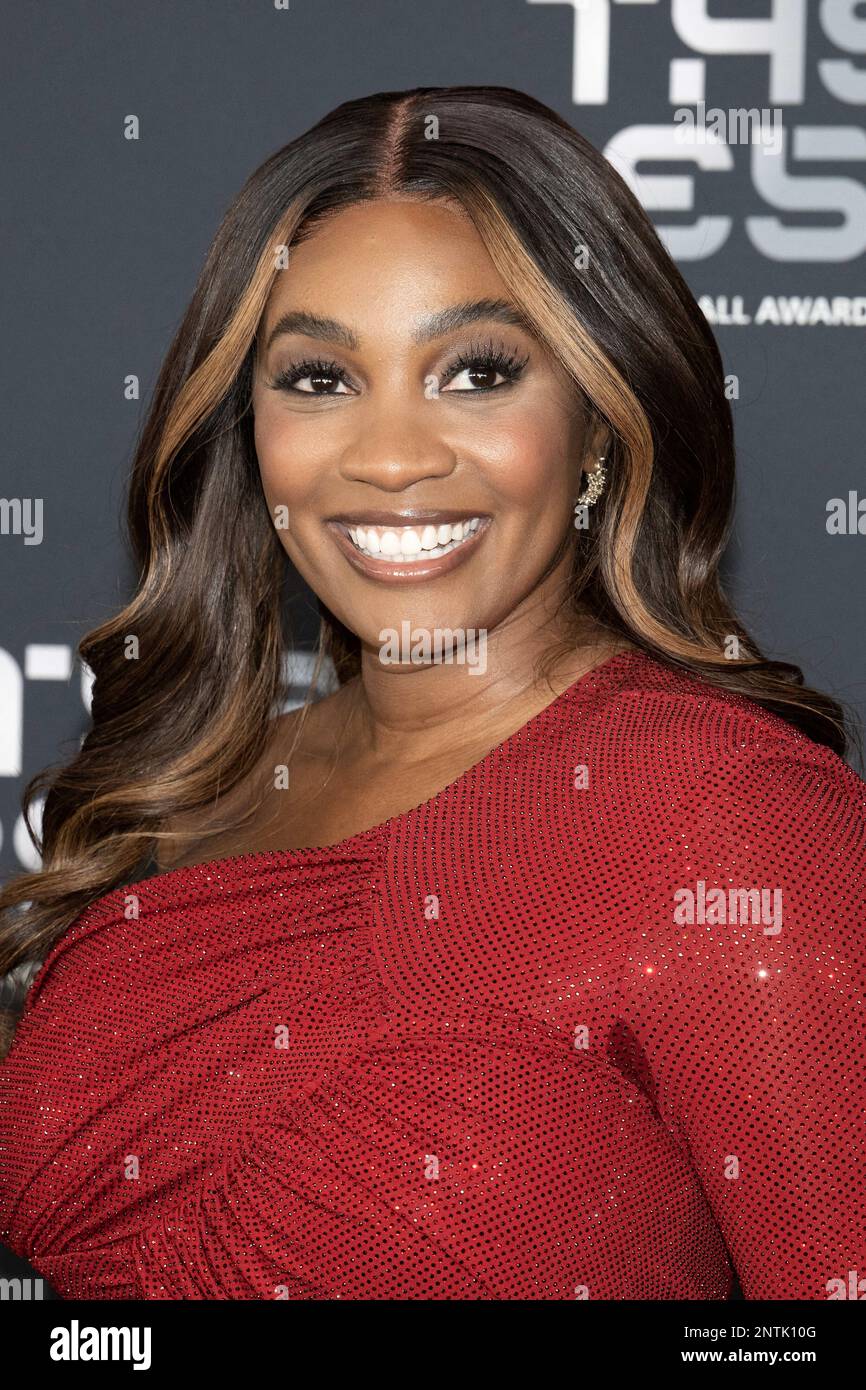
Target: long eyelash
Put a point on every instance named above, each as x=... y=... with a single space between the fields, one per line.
x=312 y=366
x=487 y=357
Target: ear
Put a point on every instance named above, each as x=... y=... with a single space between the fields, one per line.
x=594 y=458
x=597 y=445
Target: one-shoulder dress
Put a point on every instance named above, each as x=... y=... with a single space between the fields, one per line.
x=586 y=1024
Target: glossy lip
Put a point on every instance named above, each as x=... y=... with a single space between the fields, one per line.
x=394 y=572
x=412 y=516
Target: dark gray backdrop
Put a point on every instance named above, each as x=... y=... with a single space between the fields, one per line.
x=103 y=237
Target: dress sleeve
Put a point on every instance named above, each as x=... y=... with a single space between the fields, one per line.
x=461 y=1157
x=747 y=1002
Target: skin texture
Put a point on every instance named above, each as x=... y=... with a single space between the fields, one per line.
x=379 y=439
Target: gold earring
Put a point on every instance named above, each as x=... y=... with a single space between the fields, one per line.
x=594 y=486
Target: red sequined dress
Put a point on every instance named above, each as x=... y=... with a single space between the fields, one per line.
x=586 y=1024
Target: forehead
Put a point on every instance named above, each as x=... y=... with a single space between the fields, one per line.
x=384 y=258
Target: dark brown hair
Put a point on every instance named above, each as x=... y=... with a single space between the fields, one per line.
x=187 y=718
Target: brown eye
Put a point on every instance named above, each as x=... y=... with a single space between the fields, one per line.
x=322 y=377
x=480 y=367
x=482 y=378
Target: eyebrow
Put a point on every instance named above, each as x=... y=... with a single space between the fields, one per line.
x=434 y=326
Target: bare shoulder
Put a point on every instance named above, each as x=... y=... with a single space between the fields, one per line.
x=292 y=737
x=589 y=656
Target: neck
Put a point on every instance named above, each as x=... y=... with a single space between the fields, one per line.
x=409 y=711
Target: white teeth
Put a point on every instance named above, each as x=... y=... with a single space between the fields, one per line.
x=405 y=543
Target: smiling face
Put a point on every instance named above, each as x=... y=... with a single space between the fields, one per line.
x=427 y=446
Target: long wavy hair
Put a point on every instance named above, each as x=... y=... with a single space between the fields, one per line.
x=186 y=718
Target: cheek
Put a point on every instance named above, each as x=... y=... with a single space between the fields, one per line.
x=267 y=438
x=527 y=462
x=287 y=464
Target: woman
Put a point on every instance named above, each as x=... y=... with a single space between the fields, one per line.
x=528 y=963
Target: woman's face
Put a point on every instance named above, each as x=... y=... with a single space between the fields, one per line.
x=401 y=404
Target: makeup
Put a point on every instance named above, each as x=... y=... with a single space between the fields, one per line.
x=408 y=547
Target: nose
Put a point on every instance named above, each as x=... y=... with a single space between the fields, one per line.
x=394 y=448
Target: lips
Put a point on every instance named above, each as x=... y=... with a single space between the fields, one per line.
x=406 y=568
x=412 y=516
